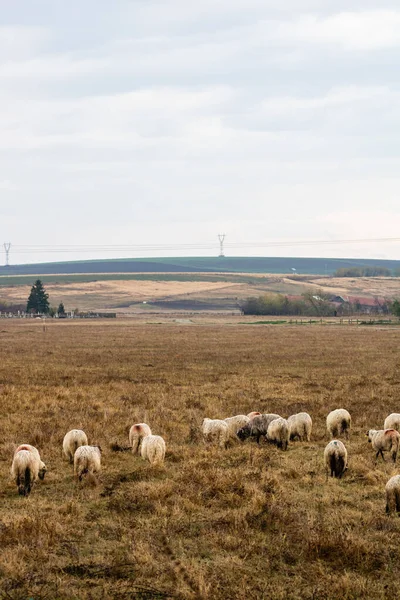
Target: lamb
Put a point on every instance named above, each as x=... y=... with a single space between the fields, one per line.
x=257 y=427
x=87 y=460
x=236 y=423
x=393 y=494
x=73 y=440
x=278 y=433
x=335 y=456
x=215 y=430
x=153 y=449
x=392 y=422
x=26 y=468
x=253 y=414
x=338 y=422
x=384 y=440
x=300 y=426
x=136 y=434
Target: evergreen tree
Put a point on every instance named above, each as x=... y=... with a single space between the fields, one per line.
x=38 y=300
x=61 y=309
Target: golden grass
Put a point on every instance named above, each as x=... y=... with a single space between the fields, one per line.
x=244 y=523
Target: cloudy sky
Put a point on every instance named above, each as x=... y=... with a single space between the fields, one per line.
x=162 y=124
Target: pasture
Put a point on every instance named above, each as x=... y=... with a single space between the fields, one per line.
x=246 y=523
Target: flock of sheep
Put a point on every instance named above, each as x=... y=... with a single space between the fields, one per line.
x=27 y=465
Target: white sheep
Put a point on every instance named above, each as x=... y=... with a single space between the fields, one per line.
x=384 y=440
x=73 y=440
x=338 y=422
x=300 y=425
x=236 y=423
x=26 y=468
x=393 y=494
x=87 y=460
x=153 y=449
x=253 y=414
x=335 y=456
x=392 y=422
x=215 y=430
x=136 y=434
x=278 y=433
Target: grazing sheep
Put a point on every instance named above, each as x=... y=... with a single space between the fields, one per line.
x=253 y=414
x=215 y=430
x=392 y=422
x=393 y=494
x=87 y=460
x=384 y=440
x=300 y=426
x=26 y=468
x=335 y=456
x=278 y=433
x=256 y=427
x=136 y=434
x=153 y=449
x=236 y=423
x=73 y=440
x=338 y=422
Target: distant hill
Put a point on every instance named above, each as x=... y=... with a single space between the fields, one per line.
x=311 y=266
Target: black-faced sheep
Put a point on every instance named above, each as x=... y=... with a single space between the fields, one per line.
x=26 y=468
x=87 y=461
x=215 y=431
x=73 y=440
x=278 y=433
x=384 y=440
x=335 y=456
x=153 y=449
x=236 y=423
x=393 y=494
x=136 y=434
x=392 y=422
x=338 y=422
x=257 y=427
x=300 y=426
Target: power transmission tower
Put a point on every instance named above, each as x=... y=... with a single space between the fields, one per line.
x=7 y=247
x=221 y=237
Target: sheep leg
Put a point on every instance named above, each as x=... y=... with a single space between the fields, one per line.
x=394 y=456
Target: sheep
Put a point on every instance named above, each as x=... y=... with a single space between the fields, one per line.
x=393 y=494
x=87 y=460
x=215 y=430
x=26 y=468
x=300 y=426
x=253 y=414
x=392 y=422
x=256 y=427
x=338 y=422
x=73 y=440
x=335 y=456
x=136 y=434
x=278 y=433
x=236 y=423
x=384 y=440
x=153 y=449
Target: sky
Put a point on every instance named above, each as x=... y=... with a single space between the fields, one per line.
x=146 y=128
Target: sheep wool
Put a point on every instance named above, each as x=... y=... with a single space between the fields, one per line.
x=278 y=433
x=253 y=414
x=338 y=422
x=87 y=460
x=73 y=440
x=153 y=449
x=257 y=427
x=335 y=456
x=384 y=440
x=26 y=468
x=392 y=422
x=236 y=423
x=215 y=431
x=393 y=495
x=136 y=434
x=300 y=426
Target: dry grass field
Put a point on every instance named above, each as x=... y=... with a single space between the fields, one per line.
x=246 y=523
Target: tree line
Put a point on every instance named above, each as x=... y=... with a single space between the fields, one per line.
x=367 y=271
